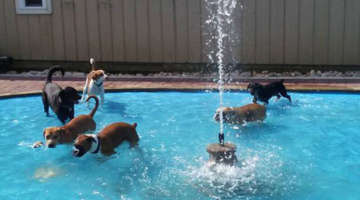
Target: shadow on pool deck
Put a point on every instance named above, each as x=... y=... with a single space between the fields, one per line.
x=21 y=85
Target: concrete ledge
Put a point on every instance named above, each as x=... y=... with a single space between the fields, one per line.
x=193 y=79
x=21 y=86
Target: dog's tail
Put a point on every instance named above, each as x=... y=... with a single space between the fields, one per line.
x=92 y=63
x=52 y=71
x=134 y=125
x=92 y=113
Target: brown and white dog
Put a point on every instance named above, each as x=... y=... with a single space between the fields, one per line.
x=107 y=140
x=243 y=114
x=94 y=84
x=69 y=132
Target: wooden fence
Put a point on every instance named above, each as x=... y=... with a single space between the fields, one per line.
x=305 y=32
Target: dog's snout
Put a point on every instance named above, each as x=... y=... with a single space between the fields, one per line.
x=76 y=152
x=216 y=116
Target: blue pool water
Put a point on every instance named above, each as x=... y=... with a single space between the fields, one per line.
x=309 y=149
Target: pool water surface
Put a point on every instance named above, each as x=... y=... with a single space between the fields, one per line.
x=307 y=149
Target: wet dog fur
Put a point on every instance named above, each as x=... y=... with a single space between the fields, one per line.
x=243 y=114
x=61 y=101
x=69 y=132
x=265 y=92
x=107 y=140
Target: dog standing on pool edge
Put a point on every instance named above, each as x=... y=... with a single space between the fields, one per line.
x=94 y=84
x=265 y=92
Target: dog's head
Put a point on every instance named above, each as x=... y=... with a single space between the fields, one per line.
x=98 y=76
x=70 y=96
x=52 y=136
x=83 y=144
x=252 y=87
x=226 y=111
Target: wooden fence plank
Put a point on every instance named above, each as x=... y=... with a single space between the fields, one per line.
x=11 y=29
x=81 y=30
x=130 y=30
x=46 y=40
x=118 y=30
x=69 y=30
x=352 y=30
x=168 y=30
x=58 y=31
x=105 y=29
x=194 y=22
x=206 y=39
x=306 y=31
x=142 y=23
x=236 y=32
x=156 y=43
x=34 y=37
x=291 y=31
x=23 y=28
x=337 y=27
x=262 y=32
x=3 y=34
x=93 y=29
x=277 y=31
x=249 y=32
x=321 y=34
x=181 y=27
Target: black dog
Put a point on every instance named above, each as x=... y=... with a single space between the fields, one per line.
x=265 y=92
x=60 y=100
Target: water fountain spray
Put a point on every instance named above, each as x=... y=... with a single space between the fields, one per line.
x=220 y=19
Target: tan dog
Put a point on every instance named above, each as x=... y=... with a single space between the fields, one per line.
x=107 y=140
x=94 y=84
x=240 y=115
x=69 y=132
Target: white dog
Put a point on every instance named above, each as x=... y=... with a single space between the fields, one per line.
x=94 y=84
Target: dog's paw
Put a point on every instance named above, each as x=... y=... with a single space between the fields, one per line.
x=37 y=144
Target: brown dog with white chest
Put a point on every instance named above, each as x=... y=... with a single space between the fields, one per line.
x=240 y=115
x=94 y=84
x=107 y=140
x=69 y=132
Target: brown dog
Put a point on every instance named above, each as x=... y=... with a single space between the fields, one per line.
x=68 y=132
x=240 y=115
x=107 y=140
x=94 y=84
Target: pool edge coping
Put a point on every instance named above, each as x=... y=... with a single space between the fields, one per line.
x=300 y=88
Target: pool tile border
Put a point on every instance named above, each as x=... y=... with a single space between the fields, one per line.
x=25 y=86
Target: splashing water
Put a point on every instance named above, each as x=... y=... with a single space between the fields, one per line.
x=219 y=23
x=258 y=174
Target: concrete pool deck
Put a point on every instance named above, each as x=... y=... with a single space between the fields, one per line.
x=25 y=85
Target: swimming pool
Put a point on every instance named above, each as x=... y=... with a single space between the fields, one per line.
x=309 y=149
